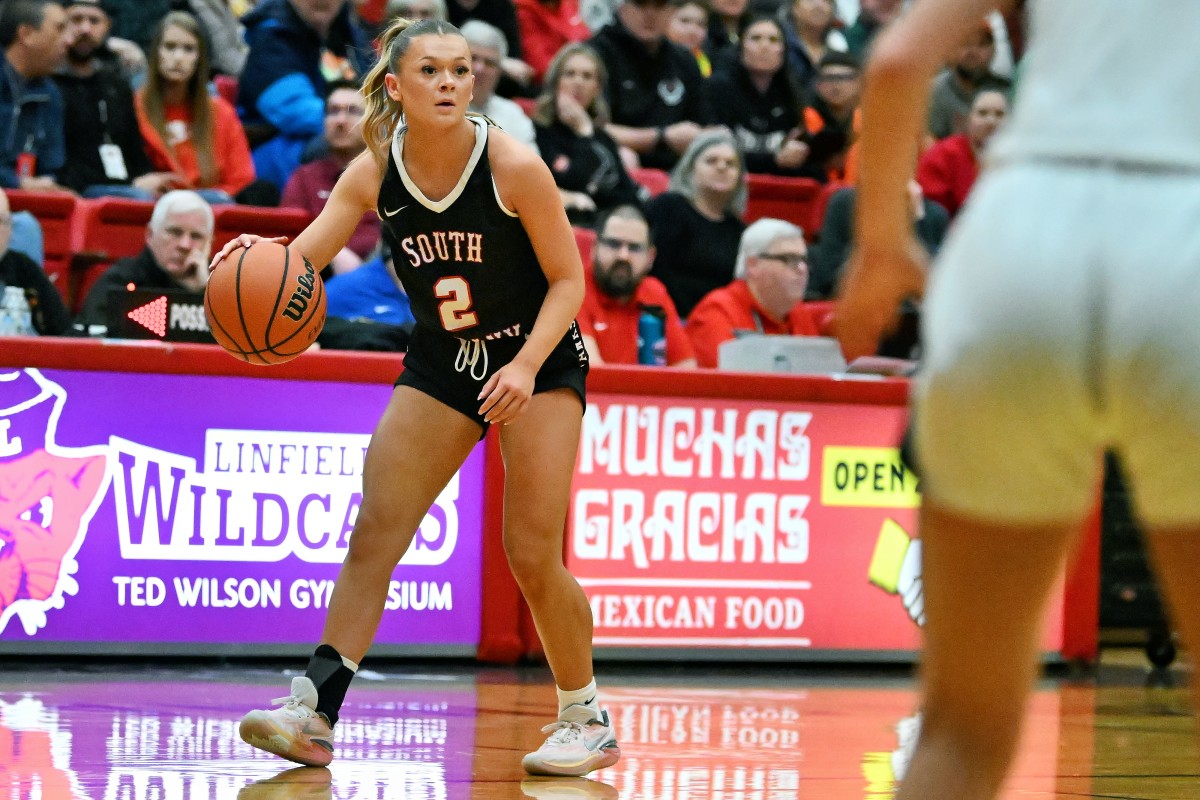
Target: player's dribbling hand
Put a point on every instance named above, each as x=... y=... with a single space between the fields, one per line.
x=507 y=393
x=242 y=240
x=877 y=281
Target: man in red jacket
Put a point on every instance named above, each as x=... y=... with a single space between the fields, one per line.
x=766 y=296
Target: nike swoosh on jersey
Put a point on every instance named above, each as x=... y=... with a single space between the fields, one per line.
x=387 y=213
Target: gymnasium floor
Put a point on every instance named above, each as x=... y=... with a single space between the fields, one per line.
x=138 y=732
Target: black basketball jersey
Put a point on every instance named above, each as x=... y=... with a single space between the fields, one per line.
x=465 y=261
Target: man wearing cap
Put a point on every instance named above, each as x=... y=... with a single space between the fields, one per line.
x=105 y=154
x=655 y=90
x=33 y=36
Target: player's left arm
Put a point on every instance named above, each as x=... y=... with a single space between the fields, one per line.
x=886 y=265
x=527 y=187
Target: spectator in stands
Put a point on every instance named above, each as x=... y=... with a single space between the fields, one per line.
x=756 y=98
x=766 y=296
x=620 y=290
x=655 y=91
x=546 y=27
x=957 y=85
x=105 y=152
x=725 y=25
x=809 y=27
x=310 y=185
x=947 y=170
x=688 y=28
x=488 y=51
x=417 y=10
x=832 y=119
x=371 y=292
x=296 y=48
x=190 y=131
x=929 y=220
x=697 y=223
x=33 y=35
x=224 y=34
x=873 y=15
x=178 y=241
x=569 y=120
x=48 y=315
x=502 y=15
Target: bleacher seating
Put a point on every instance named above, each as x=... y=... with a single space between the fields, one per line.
x=585 y=240
x=655 y=181
x=104 y=230
x=56 y=212
x=232 y=220
x=796 y=200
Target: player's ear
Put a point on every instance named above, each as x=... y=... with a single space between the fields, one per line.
x=392 y=86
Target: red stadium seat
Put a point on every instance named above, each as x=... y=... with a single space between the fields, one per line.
x=232 y=220
x=527 y=104
x=105 y=229
x=796 y=200
x=655 y=180
x=55 y=212
x=585 y=240
x=227 y=87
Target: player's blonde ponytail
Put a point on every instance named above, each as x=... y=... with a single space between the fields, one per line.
x=382 y=114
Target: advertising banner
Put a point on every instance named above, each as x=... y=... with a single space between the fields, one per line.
x=710 y=523
x=214 y=511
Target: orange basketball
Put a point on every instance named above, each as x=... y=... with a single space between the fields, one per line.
x=265 y=304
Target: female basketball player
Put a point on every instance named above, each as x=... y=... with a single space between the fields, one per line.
x=1060 y=321
x=485 y=252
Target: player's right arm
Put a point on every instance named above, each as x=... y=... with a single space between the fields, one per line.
x=354 y=194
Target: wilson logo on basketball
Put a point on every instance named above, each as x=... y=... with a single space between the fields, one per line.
x=298 y=303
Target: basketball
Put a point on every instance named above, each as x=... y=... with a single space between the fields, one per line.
x=265 y=304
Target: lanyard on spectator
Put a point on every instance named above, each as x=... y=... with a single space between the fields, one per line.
x=104 y=120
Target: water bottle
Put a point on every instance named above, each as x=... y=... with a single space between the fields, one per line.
x=652 y=340
x=16 y=319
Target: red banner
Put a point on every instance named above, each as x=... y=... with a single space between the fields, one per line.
x=712 y=523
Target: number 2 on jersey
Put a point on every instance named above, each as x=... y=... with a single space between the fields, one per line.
x=455 y=308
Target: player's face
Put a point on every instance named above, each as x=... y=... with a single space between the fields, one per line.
x=181 y=245
x=762 y=48
x=622 y=256
x=87 y=28
x=343 y=118
x=433 y=80
x=717 y=170
x=178 y=55
x=987 y=112
x=781 y=270
x=580 y=79
x=689 y=27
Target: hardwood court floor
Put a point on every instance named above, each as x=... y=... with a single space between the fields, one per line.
x=436 y=732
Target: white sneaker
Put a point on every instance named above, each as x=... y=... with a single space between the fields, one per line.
x=579 y=743
x=295 y=731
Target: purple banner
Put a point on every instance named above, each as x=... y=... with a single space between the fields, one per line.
x=215 y=510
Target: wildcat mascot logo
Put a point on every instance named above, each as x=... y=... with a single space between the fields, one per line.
x=48 y=494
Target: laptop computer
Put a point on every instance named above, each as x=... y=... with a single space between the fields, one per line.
x=169 y=315
x=798 y=355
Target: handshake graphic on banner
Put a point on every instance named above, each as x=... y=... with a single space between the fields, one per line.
x=896 y=568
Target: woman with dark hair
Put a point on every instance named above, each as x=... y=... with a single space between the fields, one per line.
x=810 y=31
x=569 y=120
x=697 y=223
x=188 y=130
x=756 y=99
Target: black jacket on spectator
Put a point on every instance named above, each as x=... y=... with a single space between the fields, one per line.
x=590 y=165
x=760 y=121
x=87 y=104
x=141 y=270
x=49 y=313
x=651 y=90
x=694 y=254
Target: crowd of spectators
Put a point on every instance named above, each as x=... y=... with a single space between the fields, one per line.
x=256 y=102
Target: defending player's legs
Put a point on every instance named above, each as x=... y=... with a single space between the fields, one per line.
x=539 y=456
x=417 y=447
x=986 y=587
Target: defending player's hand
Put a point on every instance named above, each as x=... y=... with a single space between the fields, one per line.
x=242 y=240
x=877 y=282
x=507 y=393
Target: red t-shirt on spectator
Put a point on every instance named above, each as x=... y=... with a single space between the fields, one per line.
x=614 y=325
x=545 y=29
x=309 y=189
x=732 y=308
x=947 y=171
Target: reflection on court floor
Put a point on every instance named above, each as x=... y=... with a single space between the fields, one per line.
x=172 y=736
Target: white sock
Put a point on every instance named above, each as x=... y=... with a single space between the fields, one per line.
x=348 y=664
x=587 y=696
